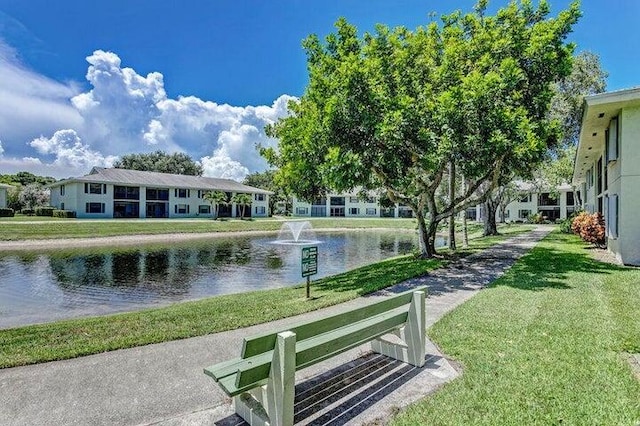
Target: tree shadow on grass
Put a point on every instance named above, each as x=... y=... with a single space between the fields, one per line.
x=548 y=268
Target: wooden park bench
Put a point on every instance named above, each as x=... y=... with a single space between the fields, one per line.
x=262 y=380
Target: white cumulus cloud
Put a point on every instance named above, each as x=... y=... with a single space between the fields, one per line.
x=125 y=112
x=69 y=151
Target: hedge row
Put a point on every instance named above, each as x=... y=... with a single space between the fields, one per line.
x=69 y=214
x=4 y=212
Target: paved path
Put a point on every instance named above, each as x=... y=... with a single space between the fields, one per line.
x=164 y=384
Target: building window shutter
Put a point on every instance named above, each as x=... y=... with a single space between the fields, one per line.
x=612 y=140
x=175 y=209
x=175 y=192
x=188 y=208
x=86 y=188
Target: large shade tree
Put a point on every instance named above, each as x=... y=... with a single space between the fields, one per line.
x=394 y=108
x=159 y=161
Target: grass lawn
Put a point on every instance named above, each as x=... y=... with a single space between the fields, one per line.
x=47 y=228
x=545 y=344
x=73 y=338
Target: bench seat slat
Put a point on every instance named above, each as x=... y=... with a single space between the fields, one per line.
x=314 y=350
x=266 y=342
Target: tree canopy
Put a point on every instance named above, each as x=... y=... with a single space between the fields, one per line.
x=159 y=161
x=26 y=178
x=269 y=180
x=394 y=108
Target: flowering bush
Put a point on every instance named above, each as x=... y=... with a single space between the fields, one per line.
x=590 y=227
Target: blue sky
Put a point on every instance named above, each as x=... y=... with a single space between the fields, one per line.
x=202 y=77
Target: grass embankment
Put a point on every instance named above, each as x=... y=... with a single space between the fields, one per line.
x=545 y=344
x=15 y=230
x=73 y=338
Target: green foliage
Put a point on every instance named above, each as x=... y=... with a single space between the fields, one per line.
x=159 y=161
x=268 y=180
x=28 y=212
x=216 y=198
x=68 y=214
x=26 y=178
x=242 y=200
x=392 y=109
x=6 y=212
x=33 y=195
x=44 y=211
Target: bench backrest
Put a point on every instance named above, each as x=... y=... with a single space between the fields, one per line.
x=266 y=342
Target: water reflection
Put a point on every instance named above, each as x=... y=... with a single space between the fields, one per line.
x=40 y=287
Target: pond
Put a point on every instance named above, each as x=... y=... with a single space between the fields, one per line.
x=49 y=286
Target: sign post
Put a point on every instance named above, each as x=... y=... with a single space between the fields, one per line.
x=309 y=265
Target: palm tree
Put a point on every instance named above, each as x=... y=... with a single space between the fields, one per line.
x=242 y=200
x=215 y=198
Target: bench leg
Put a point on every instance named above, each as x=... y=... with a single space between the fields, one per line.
x=272 y=404
x=413 y=334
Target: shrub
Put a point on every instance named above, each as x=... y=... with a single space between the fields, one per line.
x=536 y=218
x=44 y=211
x=5 y=212
x=28 y=212
x=590 y=227
x=69 y=214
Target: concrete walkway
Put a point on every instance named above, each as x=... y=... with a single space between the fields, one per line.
x=164 y=383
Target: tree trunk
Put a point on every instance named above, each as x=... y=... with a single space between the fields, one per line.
x=426 y=235
x=503 y=209
x=452 y=196
x=490 y=226
x=465 y=234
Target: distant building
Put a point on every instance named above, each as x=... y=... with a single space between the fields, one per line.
x=347 y=205
x=122 y=193
x=4 y=189
x=607 y=168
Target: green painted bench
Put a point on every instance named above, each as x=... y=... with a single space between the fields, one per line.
x=262 y=380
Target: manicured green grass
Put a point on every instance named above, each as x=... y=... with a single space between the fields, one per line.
x=51 y=228
x=69 y=339
x=545 y=344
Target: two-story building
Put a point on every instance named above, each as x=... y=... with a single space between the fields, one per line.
x=348 y=205
x=607 y=168
x=122 y=193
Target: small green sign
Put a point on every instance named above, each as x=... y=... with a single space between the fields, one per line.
x=309 y=261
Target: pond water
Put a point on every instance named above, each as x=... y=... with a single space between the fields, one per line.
x=48 y=286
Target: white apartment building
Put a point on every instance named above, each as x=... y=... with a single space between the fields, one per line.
x=4 y=189
x=607 y=168
x=347 y=205
x=122 y=193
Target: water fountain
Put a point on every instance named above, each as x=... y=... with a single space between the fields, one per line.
x=298 y=233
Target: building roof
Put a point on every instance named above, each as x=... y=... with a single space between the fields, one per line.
x=598 y=111
x=161 y=180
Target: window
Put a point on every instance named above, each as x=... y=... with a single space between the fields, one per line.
x=61 y=206
x=302 y=210
x=523 y=214
x=612 y=216
x=354 y=211
x=94 y=207
x=506 y=214
x=371 y=212
x=126 y=193
x=612 y=141
x=258 y=197
x=182 y=193
x=337 y=201
x=261 y=209
x=370 y=200
x=570 y=199
x=322 y=201
x=548 y=199
x=181 y=208
x=157 y=194
x=599 y=176
x=525 y=198
x=353 y=200
x=62 y=189
x=204 y=209
x=95 y=188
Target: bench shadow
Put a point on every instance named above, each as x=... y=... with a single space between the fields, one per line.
x=342 y=393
